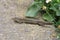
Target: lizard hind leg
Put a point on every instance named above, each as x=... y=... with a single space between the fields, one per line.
x=17 y=21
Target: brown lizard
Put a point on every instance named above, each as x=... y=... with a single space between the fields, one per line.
x=31 y=21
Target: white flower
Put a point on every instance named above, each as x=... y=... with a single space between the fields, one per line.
x=44 y=8
x=47 y=1
x=57 y=36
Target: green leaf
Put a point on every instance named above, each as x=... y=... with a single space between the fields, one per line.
x=37 y=0
x=58 y=13
x=57 y=23
x=53 y=8
x=58 y=1
x=33 y=10
x=47 y=17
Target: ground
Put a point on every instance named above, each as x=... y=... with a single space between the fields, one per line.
x=14 y=31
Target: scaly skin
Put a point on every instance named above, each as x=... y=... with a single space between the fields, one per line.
x=31 y=21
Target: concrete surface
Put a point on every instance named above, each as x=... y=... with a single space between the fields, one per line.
x=13 y=31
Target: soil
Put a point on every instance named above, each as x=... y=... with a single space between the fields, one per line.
x=13 y=31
